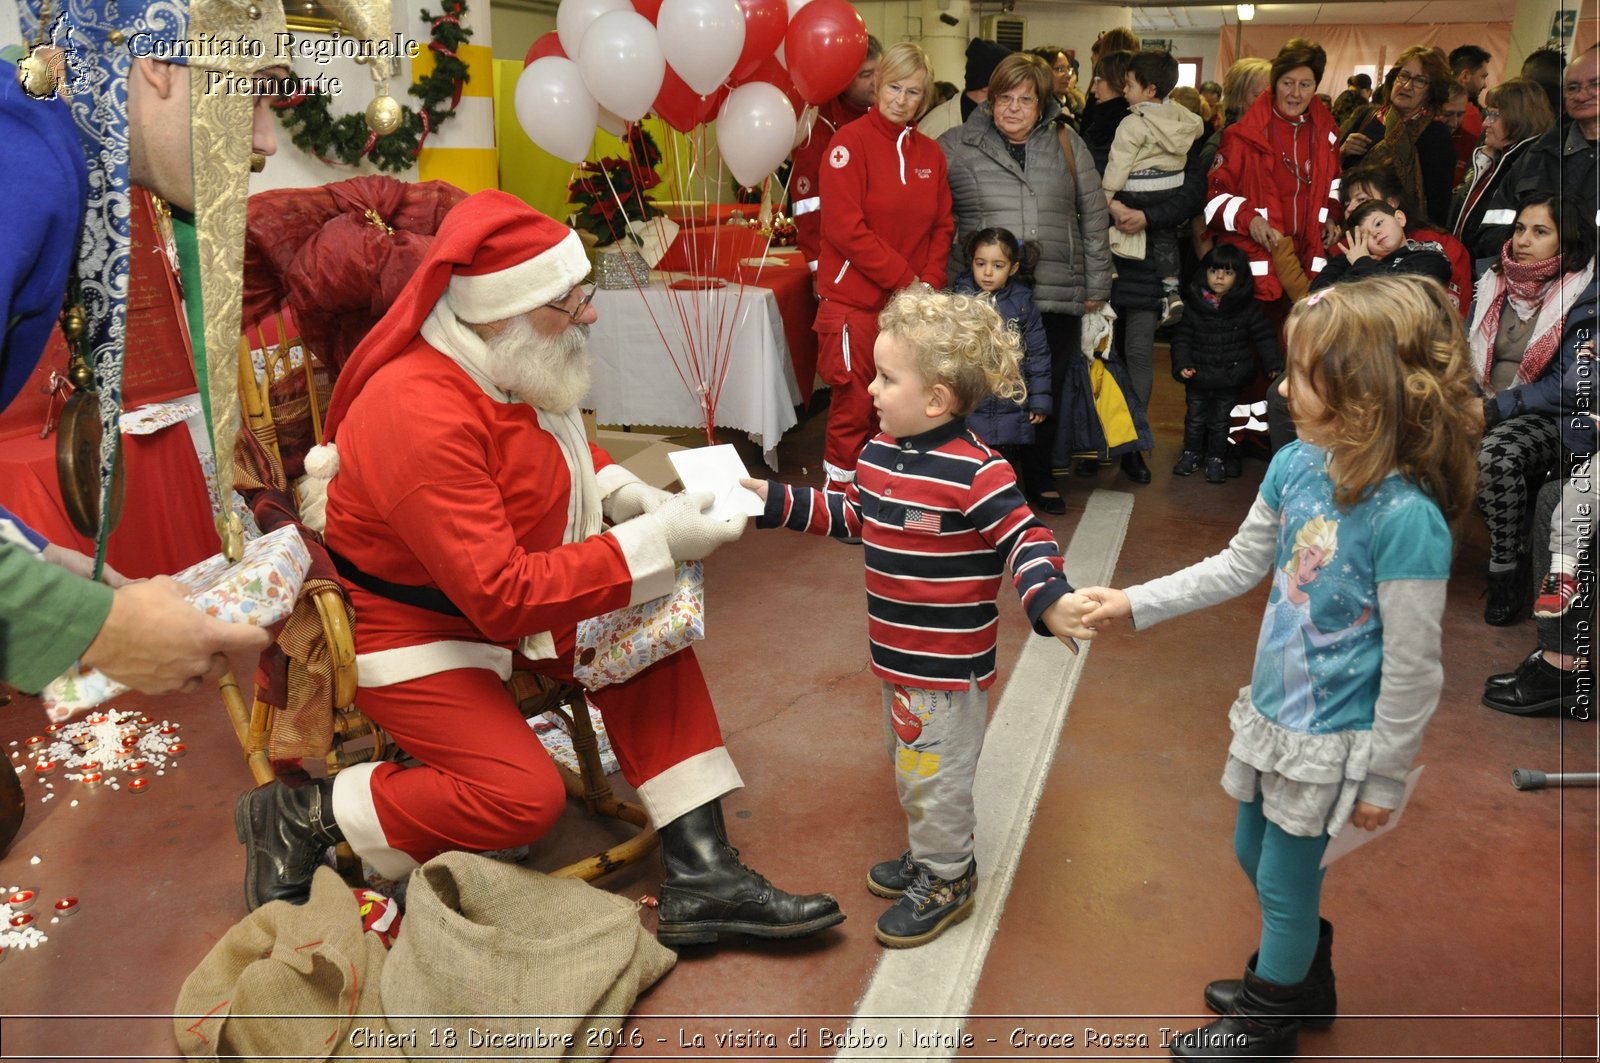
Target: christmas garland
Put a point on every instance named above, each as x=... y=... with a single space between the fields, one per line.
x=346 y=140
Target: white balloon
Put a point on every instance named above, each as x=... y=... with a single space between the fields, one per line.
x=702 y=39
x=622 y=64
x=611 y=123
x=574 y=17
x=794 y=6
x=555 y=109
x=755 y=130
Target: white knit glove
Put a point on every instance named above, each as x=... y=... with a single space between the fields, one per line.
x=634 y=498
x=690 y=535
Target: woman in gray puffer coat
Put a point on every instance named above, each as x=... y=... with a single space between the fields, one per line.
x=1007 y=168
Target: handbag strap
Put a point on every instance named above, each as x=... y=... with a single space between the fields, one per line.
x=1066 y=149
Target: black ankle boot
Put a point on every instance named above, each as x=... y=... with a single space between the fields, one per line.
x=1321 y=998
x=708 y=892
x=1264 y=1023
x=1506 y=593
x=1134 y=468
x=285 y=831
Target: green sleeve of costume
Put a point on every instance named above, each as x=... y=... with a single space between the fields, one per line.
x=48 y=617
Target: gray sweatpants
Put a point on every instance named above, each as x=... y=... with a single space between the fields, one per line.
x=934 y=738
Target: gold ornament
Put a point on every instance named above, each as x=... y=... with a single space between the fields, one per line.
x=35 y=77
x=383 y=113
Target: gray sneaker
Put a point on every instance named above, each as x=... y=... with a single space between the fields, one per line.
x=890 y=878
x=928 y=907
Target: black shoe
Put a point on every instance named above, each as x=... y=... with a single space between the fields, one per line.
x=1321 y=997
x=1215 y=473
x=1536 y=687
x=1503 y=680
x=708 y=892
x=1232 y=464
x=890 y=878
x=1188 y=462
x=1506 y=593
x=1134 y=468
x=285 y=832
x=1050 y=502
x=1264 y=1023
x=929 y=906
x=1087 y=468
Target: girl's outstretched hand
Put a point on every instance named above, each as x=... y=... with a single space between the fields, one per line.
x=1112 y=604
x=1369 y=817
x=758 y=486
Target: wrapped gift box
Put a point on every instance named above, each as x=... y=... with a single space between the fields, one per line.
x=619 y=645
x=260 y=590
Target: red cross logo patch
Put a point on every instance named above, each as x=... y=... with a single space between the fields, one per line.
x=839 y=157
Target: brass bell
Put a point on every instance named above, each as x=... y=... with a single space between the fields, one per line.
x=35 y=77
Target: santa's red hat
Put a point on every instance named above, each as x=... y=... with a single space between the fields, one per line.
x=494 y=257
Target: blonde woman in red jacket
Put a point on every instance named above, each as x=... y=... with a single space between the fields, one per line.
x=888 y=226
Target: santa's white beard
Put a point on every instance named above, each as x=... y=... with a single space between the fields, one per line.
x=547 y=372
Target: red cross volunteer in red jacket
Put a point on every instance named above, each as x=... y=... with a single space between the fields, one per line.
x=474 y=525
x=811 y=154
x=887 y=225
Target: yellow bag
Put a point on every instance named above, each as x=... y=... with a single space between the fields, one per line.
x=1115 y=420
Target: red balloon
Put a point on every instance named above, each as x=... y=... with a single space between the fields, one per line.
x=681 y=107
x=825 y=44
x=549 y=44
x=764 y=23
x=648 y=8
x=772 y=72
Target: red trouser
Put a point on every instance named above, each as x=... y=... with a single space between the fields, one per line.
x=846 y=365
x=485 y=782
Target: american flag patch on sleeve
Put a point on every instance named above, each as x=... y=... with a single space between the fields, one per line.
x=922 y=520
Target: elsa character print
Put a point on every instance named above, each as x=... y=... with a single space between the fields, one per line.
x=1288 y=629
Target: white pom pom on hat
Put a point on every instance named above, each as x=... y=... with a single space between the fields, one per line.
x=322 y=462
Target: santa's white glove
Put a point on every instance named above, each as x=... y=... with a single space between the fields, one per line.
x=633 y=499
x=689 y=533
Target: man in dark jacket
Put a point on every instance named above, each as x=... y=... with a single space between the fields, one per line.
x=1562 y=160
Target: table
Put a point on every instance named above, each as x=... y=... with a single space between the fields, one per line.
x=166 y=521
x=637 y=380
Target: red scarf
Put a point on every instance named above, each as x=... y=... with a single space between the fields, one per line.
x=1525 y=285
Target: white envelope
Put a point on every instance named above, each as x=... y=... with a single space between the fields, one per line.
x=1351 y=837
x=718 y=470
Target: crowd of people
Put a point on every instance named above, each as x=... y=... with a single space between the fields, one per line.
x=1408 y=295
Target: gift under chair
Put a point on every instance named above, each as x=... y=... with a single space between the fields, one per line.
x=306 y=683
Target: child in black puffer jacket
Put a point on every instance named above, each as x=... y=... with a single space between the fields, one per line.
x=1212 y=355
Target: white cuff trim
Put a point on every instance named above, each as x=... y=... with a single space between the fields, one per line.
x=644 y=548
x=405 y=663
x=526 y=286
x=357 y=816
x=688 y=785
x=612 y=477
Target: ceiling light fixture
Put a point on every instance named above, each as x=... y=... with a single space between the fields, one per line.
x=1246 y=12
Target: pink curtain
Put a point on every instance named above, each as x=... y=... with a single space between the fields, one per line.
x=1351 y=46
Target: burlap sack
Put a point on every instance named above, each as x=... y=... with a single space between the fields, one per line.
x=288 y=981
x=506 y=958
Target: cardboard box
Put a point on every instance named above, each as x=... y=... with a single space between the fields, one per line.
x=641 y=453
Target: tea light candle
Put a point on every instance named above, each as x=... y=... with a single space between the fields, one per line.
x=96 y=719
x=144 y=721
x=89 y=765
x=138 y=767
x=92 y=778
x=138 y=786
x=22 y=900
x=35 y=742
x=176 y=750
x=67 y=906
x=52 y=728
x=22 y=921
x=169 y=731
x=44 y=767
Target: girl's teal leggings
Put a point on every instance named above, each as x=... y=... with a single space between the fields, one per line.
x=1284 y=869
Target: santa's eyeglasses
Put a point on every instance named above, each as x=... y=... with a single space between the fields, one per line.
x=583 y=304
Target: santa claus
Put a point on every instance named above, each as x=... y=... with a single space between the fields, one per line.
x=471 y=520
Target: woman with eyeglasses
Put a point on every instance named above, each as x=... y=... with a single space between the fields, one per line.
x=1275 y=180
x=887 y=226
x=1406 y=132
x=1009 y=167
x=1515 y=114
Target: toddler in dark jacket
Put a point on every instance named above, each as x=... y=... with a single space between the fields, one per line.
x=1212 y=355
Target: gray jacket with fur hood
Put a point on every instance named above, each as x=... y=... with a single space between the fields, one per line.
x=1039 y=202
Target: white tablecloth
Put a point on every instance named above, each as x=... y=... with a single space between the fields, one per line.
x=638 y=382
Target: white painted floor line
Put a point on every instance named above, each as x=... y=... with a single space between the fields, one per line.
x=918 y=998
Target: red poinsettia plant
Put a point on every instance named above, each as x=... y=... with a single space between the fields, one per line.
x=610 y=193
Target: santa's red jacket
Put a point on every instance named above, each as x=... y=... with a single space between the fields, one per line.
x=889 y=221
x=1255 y=174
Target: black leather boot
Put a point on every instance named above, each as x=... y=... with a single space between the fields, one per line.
x=1134 y=468
x=708 y=892
x=1507 y=596
x=1264 y=1023
x=1321 y=998
x=1537 y=686
x=285 y=831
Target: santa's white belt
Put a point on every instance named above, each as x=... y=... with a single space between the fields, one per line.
x=404 y=663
